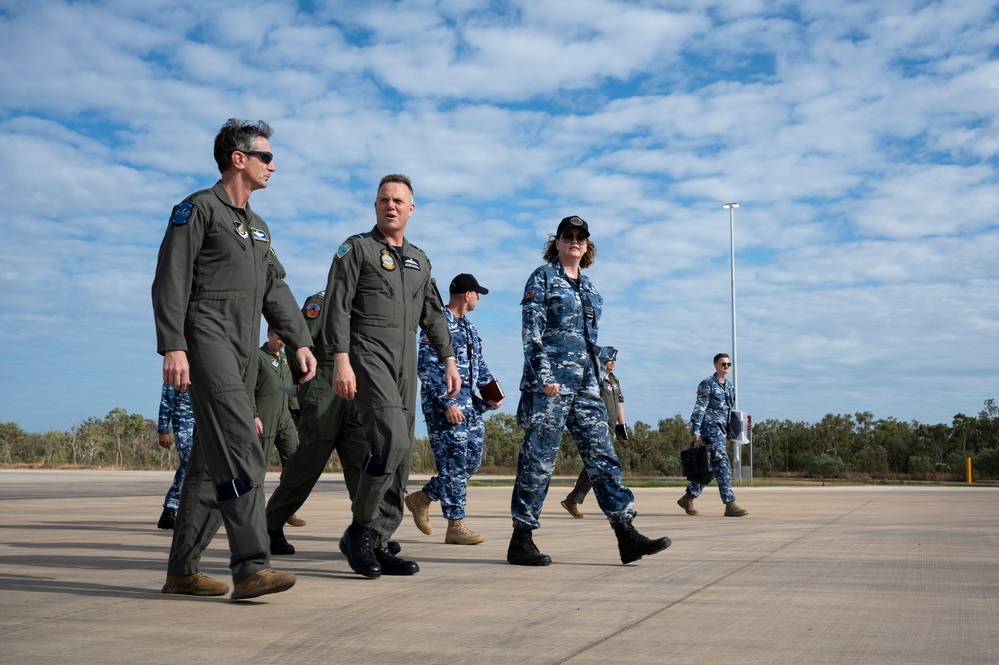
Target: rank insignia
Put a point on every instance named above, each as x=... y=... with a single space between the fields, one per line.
x=181 y=213
x=275 y=362
x=388 y=262
x=342 y=250
x=411 y=263
x=259 y=234
x=240 y=230
x=312 y=310
x=529 y=295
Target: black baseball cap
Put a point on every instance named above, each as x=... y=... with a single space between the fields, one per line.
x=464 y=283
x=574 y=221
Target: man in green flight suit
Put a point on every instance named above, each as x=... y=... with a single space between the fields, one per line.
x=327 y=422
x=379 y=292
x=215 y=274
x=274 y=398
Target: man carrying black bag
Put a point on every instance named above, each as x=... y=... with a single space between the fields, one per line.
x=709 y=423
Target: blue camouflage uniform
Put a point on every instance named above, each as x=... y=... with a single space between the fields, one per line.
x=560 y=321
x=175 y=411
x=710 y=420
x=457 y=448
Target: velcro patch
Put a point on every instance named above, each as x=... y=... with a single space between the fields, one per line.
x=528 y=296
x=259 y=234
x=181 y=213
x=342 y=250
x=411 y=263
x=312 y=310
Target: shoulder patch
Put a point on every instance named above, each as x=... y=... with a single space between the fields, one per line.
x=528 y=296
x=181 y=213
x=312 y=310
x=259 y=234
x=342 y=250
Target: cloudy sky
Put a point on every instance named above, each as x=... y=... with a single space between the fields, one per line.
x=859 y=138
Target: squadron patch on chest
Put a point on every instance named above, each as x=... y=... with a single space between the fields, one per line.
x=181 y=213
x=275 y=362
x=388 y=261
x=259 y=234
x=342 y=250
x=312 y=310
x=238 y=225
x=411 y=263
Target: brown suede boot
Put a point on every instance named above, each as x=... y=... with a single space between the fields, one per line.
x=459 y=534
x=295 y=520
x=262 y=583
x=687 y=503
x=195 y=585
x=732 y=510
x=572 y=508
x=419 y=504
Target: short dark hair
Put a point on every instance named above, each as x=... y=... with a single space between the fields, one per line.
x=719 y=356
x=589 y=256
x=238 y=136
x=397 y=177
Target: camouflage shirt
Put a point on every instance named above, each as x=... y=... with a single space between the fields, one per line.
x=714 y=402
x=471 y=367
x=560 y=322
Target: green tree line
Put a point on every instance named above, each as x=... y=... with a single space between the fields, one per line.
x=837 y=446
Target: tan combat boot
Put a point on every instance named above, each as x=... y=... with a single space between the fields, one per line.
x=295 y=520
x=732 y=510
x=687 y=503
x=262 y=583
x=572 y=508
x=419 y=504
x=195 y=585
x=459 y=534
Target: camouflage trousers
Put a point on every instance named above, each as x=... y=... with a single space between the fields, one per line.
x=182 y=441
x=458 y=453
x=543 y=419
x=720 y=469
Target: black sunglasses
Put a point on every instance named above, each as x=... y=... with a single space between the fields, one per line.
x=725 y=364
x=265 y=157
x=569 y=237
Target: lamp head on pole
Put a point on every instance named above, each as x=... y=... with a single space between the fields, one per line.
x=729 y=206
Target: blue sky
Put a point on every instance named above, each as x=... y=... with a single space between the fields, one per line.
x=859 y=138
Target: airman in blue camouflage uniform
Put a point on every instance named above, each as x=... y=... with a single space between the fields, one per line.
x=560 y=388
x=175 y=412
x=709 y=423
x=454 y=425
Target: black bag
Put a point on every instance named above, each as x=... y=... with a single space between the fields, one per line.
x=695 y=462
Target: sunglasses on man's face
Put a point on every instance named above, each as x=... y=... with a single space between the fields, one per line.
x=265 y=157
x=725 y=364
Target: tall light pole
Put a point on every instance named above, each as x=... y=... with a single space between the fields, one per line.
x=736 y=446
x=731 y=226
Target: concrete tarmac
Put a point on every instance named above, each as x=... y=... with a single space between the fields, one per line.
x=811 y=575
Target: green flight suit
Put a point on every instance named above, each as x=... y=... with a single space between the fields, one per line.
x=327 y=422
x=215 y=274
x=376 y=299
x=274 y=406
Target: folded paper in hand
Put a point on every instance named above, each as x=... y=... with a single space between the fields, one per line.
x=492 y=392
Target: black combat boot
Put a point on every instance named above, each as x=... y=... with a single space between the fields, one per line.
x=523 y=551
x=279 y=544
x=358 y=546
x=633 y=545
x=393 y=565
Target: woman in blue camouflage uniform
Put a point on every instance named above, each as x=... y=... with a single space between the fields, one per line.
x=560 y=389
